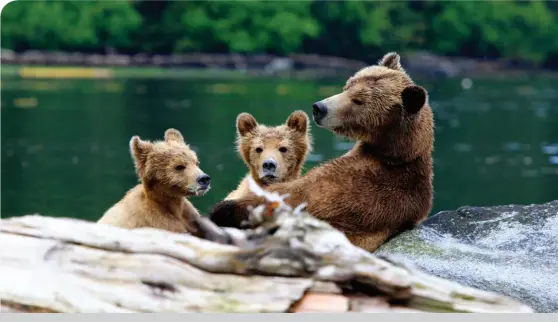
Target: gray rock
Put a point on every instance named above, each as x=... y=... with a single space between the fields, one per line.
x=511 y=250
x=423 y=62
x=94 y=60
x=77 y=58
x=7 y=55
x=278 y=65
x=140 y=59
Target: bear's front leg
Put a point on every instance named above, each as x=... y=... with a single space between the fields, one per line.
x=227 y=213
x=234 y=213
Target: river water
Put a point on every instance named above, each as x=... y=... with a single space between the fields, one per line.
x=65 y=142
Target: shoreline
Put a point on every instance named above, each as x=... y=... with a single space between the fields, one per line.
x=40 y=64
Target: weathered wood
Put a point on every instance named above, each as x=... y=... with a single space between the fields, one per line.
x=68 y=265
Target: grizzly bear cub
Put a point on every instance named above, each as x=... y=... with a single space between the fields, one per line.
x=384 y=183
x=169 y=172
x=272 y=154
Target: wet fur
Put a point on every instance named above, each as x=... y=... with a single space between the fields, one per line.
x=294 y=135
x=384 y=184
x=159 y=201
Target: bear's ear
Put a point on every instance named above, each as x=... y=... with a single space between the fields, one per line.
x=298 y=121
x=245 y=123
x=391 y=60
x=140 y=150
x=173 y=135
x=414 y=98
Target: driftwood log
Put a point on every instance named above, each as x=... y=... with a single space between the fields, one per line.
x=291 y=262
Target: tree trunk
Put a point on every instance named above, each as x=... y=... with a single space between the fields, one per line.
x=299 y=264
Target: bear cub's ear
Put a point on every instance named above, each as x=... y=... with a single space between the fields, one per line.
x=414 y=98
x=298 y=121
x=245 y=123
x=391 y=60
x=140 y=150
x=173 y=135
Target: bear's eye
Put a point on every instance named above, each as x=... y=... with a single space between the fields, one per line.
x=356 y=101
x=259 y=150
x=282 y=149
x=179 y=167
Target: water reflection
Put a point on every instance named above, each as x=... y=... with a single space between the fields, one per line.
x=65 y=142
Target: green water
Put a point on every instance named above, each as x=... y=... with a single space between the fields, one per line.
x=65 y=142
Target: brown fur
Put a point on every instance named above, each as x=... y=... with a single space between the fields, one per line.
x=293 y=136
x=384 y=184
x=169 y=173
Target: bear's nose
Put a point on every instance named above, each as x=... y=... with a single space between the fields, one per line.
x=204 y=180
x=319 y=111
x=269 y=165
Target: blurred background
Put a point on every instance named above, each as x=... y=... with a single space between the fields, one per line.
x=80 y=78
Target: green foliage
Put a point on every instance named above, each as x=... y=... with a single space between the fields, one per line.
x=361 y=29
x=240 y=26
x=511 y=29
x=114 y=22
x=519 y=30
x=68 y=25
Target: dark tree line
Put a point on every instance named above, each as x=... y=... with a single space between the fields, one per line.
x=522 y=31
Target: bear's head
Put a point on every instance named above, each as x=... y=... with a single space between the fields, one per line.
x=169 y=167
x=274 y=154
x=381 y=106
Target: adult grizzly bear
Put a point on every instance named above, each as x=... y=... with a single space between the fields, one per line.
x=384 y=183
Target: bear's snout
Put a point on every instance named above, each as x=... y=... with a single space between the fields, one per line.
x=319 y=111
x=204 y=181
x=269 y=166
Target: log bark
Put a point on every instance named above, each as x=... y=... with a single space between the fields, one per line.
x=297 y=264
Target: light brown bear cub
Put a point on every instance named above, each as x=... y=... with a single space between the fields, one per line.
x=384 y=183
x=272 y=154
x=169 y=173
